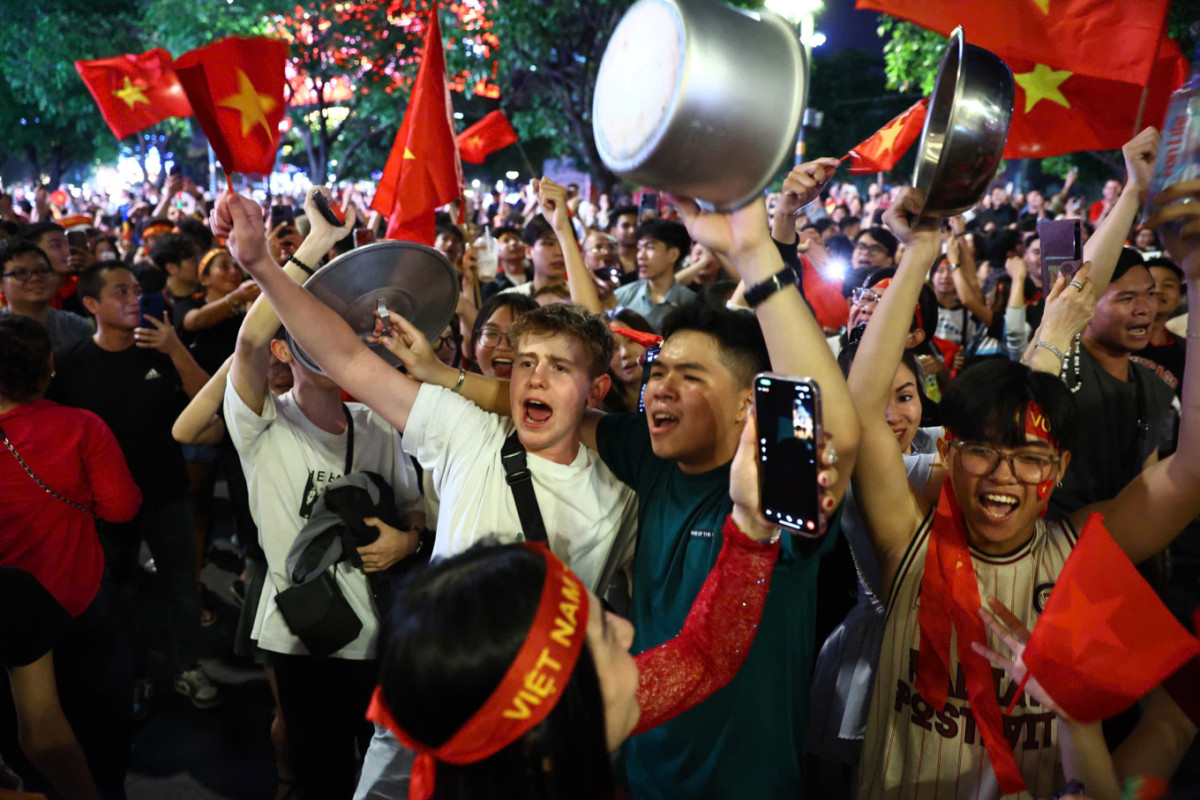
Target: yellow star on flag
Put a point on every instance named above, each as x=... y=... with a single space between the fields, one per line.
x=1042 y=84
x=130 y=94
x=476 y=141
x=251 y=105
x=1043 y=6
x=408 y=153
x=888 y=136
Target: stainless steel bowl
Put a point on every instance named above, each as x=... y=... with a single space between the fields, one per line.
x=966 y=127
x=699 y=99
x=413 y=280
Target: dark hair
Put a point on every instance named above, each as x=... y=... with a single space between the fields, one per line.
x=619 y=212
x=988 y=401
x=822 y=225
x=628 y=318
x=840 y=247
x=998 y=244
x=717 y=293
x=535 y=229
x=24 y=358
x=1128 y=259
x=908 y=358
x=568 y=319
x=19 y=247
x=198 y=231
x=517 y=304
x=743 y=350
x=453 y=633
x=449 y=228
x=9 y=228
x=36 y=230
x=173 y=248
x=506 y=229
x=91 y=280
x=881 y=235
x=669 y=232
x=1165 y=263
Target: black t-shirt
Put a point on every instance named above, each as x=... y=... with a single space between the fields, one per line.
x=138 y=394
x=1003 y=216
x=1109 y=450
x=1166 y=361
x=210 y=346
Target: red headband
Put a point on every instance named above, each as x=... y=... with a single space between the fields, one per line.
x=1037 y=425
x=644 y=339
x=157 y=228
x=526 y=695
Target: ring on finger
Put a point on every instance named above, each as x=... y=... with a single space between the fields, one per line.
x=833 y=458
x=1076 y=284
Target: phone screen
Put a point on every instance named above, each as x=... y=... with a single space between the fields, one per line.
x=1062 y=249
x=282 y=215
x=647 y=360
x=648 y=205
x=153 y=305
x=77 y=239
x=789 y=436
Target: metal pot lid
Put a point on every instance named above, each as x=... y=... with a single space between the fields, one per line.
x=414 y=281
x=965 y=129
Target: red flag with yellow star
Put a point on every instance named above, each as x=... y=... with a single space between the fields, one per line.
x=1104 y=638
x=889 y=144
x=135 y=91
x=1099 y=38
x=490 y=134
x=1056 y=111
x=236 y=89
x=423 y=170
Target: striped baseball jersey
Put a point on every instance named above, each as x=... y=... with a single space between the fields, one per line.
x=913 y=752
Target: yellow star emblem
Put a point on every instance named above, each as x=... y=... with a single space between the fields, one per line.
x=1042 y=84
x=130 y=94
x=1043 y=5
x=253 y=106
x=476 y=141
x=888 y=136
x=408 y=153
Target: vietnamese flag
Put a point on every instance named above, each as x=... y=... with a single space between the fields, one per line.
x=490 y=134
x=423 y=170
x=135 y=91
x=1056 y=111
x=1100 y=38
x=236 y=89
x=1104 y=639
x=889 y=144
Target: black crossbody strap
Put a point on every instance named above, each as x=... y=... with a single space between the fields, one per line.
x=38 y=481
x=349 y=441
x=520 y=480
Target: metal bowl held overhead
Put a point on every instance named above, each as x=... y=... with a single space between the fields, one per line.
x=966 y=127
x=414 y=281
x=699 y=99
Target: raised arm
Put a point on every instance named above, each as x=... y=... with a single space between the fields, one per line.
x=1103 y=248
x=891 y=508
x=1069 y=309
x=317 y=328
x=1151 y=511
x=966 y=279
x=553 y=200
x=795 y=341
x=252 y=356
x=200 y=422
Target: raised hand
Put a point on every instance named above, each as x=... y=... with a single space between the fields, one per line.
x=1070 y=306
x=553 y=200
x=406 y=342
x=240 y=220
x=1005 y=625
x=1140 y=153
x=732 y=233
x=160 y=337
x=805 y=182
x=904 y=218
x=328 y=234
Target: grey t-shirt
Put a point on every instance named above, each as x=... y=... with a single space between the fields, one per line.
x=64 y=327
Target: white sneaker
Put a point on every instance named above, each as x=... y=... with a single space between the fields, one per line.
x=195 y=685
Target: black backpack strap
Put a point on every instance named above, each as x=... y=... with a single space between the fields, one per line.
x=520 y=480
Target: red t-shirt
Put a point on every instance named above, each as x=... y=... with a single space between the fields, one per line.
x=73 y=452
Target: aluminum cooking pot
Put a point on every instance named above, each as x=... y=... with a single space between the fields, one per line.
x=966 y=127
x=700 y=99
x=413 y=280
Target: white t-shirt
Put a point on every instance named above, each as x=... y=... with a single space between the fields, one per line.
x=288 y=461
x=584 y=507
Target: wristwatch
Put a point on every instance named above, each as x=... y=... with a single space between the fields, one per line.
x=759 y=292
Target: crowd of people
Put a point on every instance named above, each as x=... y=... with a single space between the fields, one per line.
x=532 y=561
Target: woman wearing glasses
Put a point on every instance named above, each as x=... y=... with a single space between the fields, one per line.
x=489 y=351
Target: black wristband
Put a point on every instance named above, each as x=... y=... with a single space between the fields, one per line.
x=761 y=291
x=300 y=264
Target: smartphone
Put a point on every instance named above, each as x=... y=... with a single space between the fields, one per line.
x=332 y=216
x=648 y=205
x=647 y=360
x=282 y=215
x=363 y=236
x=789 y=445
x=154 y=305
x=1062 y=249
x=78 y=239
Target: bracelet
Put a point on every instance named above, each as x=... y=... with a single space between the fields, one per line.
x=300 y=264
x=1062 y=358
x=759 y=292
x=462 y=376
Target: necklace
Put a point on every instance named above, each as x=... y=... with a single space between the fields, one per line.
x=1075 y=383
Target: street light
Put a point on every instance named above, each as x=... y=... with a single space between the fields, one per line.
x=794 y=11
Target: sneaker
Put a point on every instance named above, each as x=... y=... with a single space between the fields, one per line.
x=195 y=685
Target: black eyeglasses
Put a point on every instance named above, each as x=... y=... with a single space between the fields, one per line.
x=490 y=337
x=981 y=460
x=24 y=275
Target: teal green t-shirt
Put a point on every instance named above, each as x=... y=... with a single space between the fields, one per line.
x=746 y=740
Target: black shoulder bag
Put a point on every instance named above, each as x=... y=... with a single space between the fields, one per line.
x=316 y=611
x=520 y=480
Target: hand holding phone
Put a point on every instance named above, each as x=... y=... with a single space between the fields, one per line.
x=790 y=437
x=333 y=217
x=648 y=206
x=1062 y=249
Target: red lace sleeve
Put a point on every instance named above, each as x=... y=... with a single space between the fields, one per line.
x=716 y=635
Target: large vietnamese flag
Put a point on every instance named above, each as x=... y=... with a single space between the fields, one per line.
x=1100 y=38
x=1057 y=111
x=135 y=91
x=423 y=170
x=236 y=89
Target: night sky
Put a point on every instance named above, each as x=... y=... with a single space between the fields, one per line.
x=847 y=29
